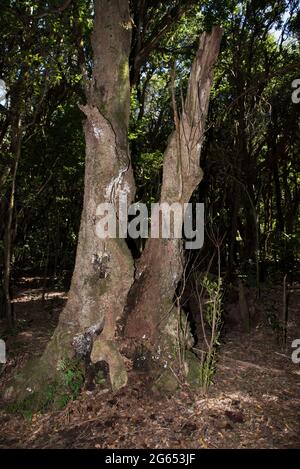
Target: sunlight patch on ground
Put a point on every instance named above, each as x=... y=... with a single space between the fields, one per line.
x=37 y=294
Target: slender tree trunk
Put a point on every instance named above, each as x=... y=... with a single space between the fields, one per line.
x=234 y=227
x=280 y=220
x=9 y=232
x=104 y=269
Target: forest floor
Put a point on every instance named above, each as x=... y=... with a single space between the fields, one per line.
x=254 y=401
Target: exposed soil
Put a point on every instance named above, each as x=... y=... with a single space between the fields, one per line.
x=254 y=401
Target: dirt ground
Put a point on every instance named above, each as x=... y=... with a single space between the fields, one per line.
x=254 y=401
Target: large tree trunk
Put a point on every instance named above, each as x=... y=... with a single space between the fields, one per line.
x=9 y=231
x=104 y=269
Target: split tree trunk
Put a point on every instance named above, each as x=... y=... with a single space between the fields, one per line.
x=104 y=269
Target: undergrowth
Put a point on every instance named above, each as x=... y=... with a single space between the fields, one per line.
x=66 y=387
